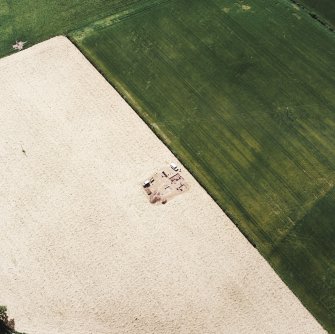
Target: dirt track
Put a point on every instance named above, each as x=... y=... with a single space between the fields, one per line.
x=81 y=248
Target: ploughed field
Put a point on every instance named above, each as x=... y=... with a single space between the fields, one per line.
x=81 y=248
x=243 y=94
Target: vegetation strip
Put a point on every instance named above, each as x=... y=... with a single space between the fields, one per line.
x=314 y=16
x=77 y=35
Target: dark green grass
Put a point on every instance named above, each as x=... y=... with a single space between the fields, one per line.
x=323 y=8
x=37 y=20
x=245 y=98
x=304 y=241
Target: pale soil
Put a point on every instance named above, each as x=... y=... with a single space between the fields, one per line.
x=81 y=248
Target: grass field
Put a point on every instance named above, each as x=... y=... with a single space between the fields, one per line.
x=324 y=8
x=243 y=93
x=37 y=20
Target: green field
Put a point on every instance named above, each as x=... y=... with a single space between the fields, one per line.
x=243 y=94
x=323 y=8
x=37 y=20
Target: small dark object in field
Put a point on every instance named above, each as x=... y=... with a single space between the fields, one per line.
x=23 y=151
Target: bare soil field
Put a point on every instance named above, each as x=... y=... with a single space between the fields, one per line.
x=81 y=248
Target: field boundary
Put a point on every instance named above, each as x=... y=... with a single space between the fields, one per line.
x=161 y=136
x=109 y=20
x=314 y=15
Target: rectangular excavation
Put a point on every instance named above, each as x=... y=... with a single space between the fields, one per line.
x=165 y=185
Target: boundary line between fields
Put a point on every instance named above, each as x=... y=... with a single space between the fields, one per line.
x=81 y=33
x=314 y=16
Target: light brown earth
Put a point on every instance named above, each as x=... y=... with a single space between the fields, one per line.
x=81 y=248
x=165 y=185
